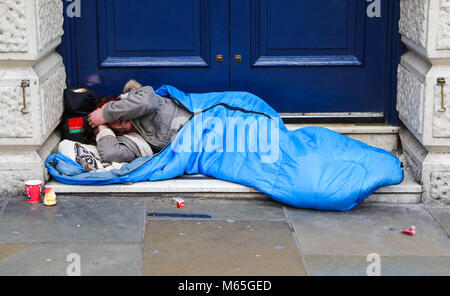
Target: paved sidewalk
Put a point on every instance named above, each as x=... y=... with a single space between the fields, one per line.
x=116 y=236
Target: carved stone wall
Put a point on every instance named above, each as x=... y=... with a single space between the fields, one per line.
x=52 y=100
x=17 y=166
x=443 y=41
x=50 y=21
x=12 y=181
x=413 y=20
x=44 y=100
x=440 y=185
x=441 y=120
x=14 y=124
x=410 y=99
x=13 y=27
x=30 y=30
x=425 y=26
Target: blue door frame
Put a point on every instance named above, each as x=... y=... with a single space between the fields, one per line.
x=241 y=71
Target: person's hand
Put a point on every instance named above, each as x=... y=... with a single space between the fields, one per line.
x=96 y=118
x=100 y=128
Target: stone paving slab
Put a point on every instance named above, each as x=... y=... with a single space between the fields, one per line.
x=442 y=215
x=190 y=248
x=7 y=250
x=51 y=260
x=72 y=221
x=369 y=229
x=390 y=266
x=218 y=209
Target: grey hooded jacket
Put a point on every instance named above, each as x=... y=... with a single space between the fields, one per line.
x=156 y=118
x=121 y=149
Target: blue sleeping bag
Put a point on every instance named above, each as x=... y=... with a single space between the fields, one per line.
x=237 y=137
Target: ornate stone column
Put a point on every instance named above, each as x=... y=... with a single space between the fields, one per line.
x=30 y=30
x=424 y=94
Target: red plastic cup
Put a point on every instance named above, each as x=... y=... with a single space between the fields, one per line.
x=34 y=190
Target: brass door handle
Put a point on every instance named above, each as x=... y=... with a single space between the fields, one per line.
x=441 y=82
x=24 y=84
x=219 y=58
x=238 y=58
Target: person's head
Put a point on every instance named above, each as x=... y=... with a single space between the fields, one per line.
x=105 y=101
x=119 y=127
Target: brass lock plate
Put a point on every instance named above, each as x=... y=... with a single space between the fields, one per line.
x=238 y=58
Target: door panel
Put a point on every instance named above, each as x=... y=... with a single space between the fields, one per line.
x=162 y=33
x=300 y=56
x=307 y=33
x=310 y=56
x=155 y=42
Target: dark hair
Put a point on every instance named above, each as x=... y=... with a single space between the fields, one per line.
x=105 y=101
x=90 y=137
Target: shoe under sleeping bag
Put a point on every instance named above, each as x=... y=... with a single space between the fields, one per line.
x=237 y=137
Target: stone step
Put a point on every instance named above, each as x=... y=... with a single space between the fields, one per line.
x=201 y=186
x=379 y=135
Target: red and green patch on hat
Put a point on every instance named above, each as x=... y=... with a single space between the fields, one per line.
x=76 y=125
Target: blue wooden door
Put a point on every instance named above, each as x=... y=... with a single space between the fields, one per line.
x=155 y=42
x=301 y=56
x=311 y=56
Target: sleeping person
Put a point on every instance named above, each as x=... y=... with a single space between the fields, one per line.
x=117 y=143
x=139 y=123
x=312 y=167
x=120 y=142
